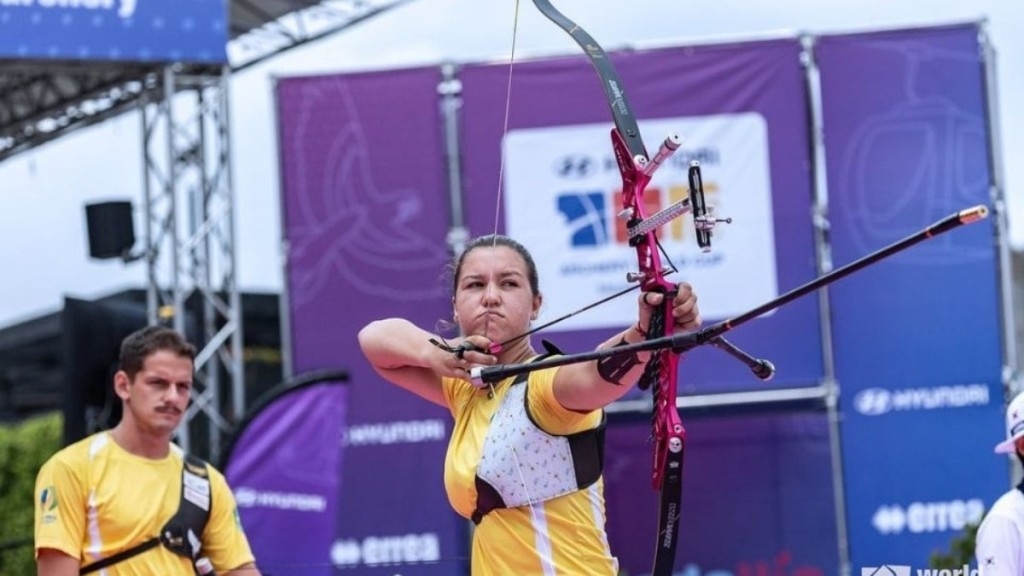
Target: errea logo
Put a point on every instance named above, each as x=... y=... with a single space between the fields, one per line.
x=926 y=517
x=879 y=401
x=392 y=549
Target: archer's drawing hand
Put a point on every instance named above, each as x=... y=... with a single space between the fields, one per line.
x=472 y=352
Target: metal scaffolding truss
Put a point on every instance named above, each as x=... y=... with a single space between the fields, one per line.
x=43 y=100
x=295 y=28
x=188 y=196
x=190 y=238
x=42 y=103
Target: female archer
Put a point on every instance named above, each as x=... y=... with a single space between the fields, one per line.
x=525 y=457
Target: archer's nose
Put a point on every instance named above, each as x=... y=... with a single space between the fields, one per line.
x=490 y=297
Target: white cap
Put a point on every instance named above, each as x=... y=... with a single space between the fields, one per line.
x=1014 y=425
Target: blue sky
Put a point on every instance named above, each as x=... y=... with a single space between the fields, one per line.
x=42 y=224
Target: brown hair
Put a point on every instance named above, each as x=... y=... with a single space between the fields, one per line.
x=491 y=241
x=141 y=344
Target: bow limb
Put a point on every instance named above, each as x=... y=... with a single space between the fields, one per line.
x=625 y=121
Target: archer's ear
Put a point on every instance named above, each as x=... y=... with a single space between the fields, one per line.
x=121 y=383
x=537 y=301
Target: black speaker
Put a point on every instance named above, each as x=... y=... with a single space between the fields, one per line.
x=111 y=229
x=91 y=334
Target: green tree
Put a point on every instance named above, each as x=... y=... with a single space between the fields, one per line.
x=23 y=450
x=961 y=550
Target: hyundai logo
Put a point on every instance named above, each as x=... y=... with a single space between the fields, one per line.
x=873 y=401
x=878 y=401
x=576 y=166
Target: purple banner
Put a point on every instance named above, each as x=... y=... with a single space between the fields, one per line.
x=286 y=488
x=365 y=219
x=917 y=337
x=757 y=497
x=759 y=80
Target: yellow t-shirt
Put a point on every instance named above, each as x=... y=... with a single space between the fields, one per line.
x=560 y=537
x=94 y=499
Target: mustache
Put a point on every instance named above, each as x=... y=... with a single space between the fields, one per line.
x=170 y=409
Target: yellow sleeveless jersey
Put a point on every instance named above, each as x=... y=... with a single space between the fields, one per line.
x=564 y=536
x=94 y=499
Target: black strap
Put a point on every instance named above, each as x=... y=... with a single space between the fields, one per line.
x=487 y=499
x=190 y=516
x=550 y=349
x=123 y=555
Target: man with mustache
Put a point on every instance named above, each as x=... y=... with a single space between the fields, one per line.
x=105 y=503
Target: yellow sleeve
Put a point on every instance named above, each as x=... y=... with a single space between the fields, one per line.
x=448 y=388
x=551 y=416
x=60 y=502
x=224 y=541
x=456 y=393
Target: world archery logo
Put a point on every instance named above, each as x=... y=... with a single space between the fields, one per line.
x=885 y=570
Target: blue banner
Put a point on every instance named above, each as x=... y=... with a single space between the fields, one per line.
x=191 y=31
x=917 y=337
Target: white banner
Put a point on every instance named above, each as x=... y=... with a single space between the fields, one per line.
x=563 y=192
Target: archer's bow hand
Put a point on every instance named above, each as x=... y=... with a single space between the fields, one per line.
x=684 y=310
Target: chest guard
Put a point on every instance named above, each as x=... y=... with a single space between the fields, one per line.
x=522 y=464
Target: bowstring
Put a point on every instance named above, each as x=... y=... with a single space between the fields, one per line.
x=494 y=235
x=501 y=156
x=501 y=164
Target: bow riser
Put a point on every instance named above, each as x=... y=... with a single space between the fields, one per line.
x=634 y=183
